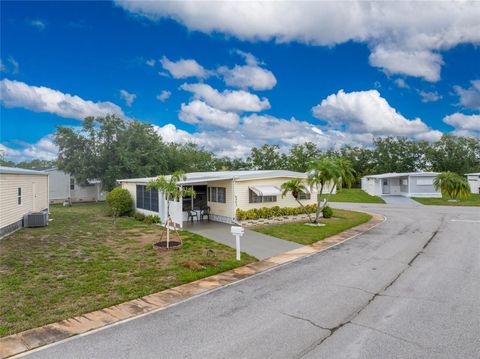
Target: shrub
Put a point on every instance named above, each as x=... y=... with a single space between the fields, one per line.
x=151 y=219
x=269 y=212
x=139 y=216
x=119 y=201
x=327 y=212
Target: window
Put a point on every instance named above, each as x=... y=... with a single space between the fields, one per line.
x=19 y=195
x=405 y=182
x=254 y=198
x=147 y=199
x=72 y=184
x=217 y=194
x=425 y=181
x=304 y=195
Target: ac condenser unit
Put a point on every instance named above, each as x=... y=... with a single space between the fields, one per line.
x=35 y=219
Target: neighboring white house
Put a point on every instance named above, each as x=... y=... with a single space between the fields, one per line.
x=222 y=192
x=474 y=181
x=64 y=186
x=21 y=191
x=410 y=184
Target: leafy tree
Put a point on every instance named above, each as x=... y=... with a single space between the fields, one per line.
x=361 y=159
x=300 y=156
x=231 y=164
x=267 y=157
x=452 y=185
x=323 y=172
x=295 y=186
x=457 y=154
x=109 y=149
x=398 y=154
x=188 y=157
x=170 y=189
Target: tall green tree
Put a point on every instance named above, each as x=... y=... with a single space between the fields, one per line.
x=398 y=154
x=456 y=154
x=109 y=149
x=299 y=156
x=267 y=157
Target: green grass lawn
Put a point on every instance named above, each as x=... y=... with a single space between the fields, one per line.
x=82 y=262
x=355 y=195
x=303 y=234
x=472 y=200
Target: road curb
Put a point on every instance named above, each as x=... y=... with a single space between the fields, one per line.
x=51 y=333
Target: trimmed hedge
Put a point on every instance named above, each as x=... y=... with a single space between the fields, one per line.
x=276 y=211
x=327 y=212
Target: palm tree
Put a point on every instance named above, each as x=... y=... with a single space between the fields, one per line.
x=171 y=191
x=323 y=172
x=348 y=174
x=296 y=186
x=452 y=185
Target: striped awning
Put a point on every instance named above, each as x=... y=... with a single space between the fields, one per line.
x=266 y=190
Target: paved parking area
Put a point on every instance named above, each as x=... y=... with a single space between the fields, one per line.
x=401 y=200
x=256 y=244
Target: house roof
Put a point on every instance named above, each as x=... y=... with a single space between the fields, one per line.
x=20 y=171
x=199 y=177
x=404 y=174
x=473 y=174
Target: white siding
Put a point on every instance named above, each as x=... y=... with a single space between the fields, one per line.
x=10 y=210
x=59 y=189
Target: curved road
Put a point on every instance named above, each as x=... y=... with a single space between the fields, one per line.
x=409 y=288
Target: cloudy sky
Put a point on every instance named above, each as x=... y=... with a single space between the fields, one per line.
x=230 y=76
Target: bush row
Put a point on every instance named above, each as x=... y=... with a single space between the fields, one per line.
x=276 y=211
x=150 y=219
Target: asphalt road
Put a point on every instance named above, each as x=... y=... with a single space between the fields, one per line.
x=409 y=288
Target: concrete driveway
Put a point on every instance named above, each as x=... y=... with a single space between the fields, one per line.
x=409 y=288
x=256 y=244
x=401 y=200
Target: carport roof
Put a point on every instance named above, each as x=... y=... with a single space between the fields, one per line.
x=404 y=174
x=20 y=171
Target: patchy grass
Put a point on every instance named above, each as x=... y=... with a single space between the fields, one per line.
x=303 y=234
x=354 y=195
x=472 y=200
x=81 y=262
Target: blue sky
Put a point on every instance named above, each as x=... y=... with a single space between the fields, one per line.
x=284 y=77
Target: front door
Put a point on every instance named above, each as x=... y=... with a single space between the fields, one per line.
x=386 y=186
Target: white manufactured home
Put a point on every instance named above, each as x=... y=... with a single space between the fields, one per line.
x=63 y=186
x=222 y=193
x=409 y=184
x=474 y=182
x=21 y=191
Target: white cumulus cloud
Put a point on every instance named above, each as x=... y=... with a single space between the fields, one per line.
x=227 y=100
x=466 y=125
x=164 y=95
x=405 y=37
x=183 y=68
x=470 y=97
x=366 y=112
x=198 y=112
x=43 y=149
x=44 y=99
x=128 y=97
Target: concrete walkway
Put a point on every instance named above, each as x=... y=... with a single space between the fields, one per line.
x=256 y=244
x=401 y=200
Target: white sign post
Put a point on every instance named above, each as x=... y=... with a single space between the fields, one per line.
x=237 y=232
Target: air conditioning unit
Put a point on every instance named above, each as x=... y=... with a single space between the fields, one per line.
x=35 y=219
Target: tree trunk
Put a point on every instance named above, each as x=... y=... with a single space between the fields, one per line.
x=319 y=200
x=305 y=210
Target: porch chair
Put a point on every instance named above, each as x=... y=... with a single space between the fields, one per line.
x=205 y=213
x=192 y=214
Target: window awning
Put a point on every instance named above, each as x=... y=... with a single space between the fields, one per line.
x=266 y=190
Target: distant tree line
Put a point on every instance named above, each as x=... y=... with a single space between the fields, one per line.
x=110 y=148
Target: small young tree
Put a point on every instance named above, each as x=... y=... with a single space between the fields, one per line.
x=323 y=172
x=452 y=185
x=296 y=186
x=119 y=201
x=171 y=190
